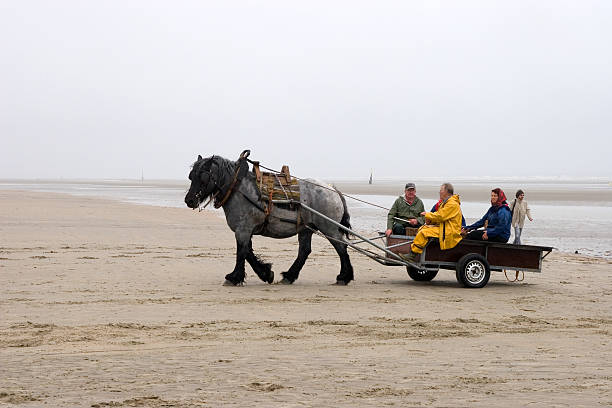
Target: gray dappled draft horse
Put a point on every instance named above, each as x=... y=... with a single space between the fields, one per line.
x=234 y=188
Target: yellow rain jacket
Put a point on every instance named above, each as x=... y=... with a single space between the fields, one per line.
x=448 y=217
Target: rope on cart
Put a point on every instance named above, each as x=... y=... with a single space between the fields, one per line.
x=516 y=278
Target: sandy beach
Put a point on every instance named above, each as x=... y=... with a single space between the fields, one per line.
x=105 y=304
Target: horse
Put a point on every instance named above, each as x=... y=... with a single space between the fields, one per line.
x=233 y=187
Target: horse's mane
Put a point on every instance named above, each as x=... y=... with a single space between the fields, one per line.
x=224 y=165
x=225 y=171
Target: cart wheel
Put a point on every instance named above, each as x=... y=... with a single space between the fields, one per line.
x=421 y=275
x=473 y=271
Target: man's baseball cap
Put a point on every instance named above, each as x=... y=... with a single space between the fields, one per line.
x=409 y=186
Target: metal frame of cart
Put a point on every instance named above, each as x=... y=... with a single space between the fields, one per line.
x=473 y=261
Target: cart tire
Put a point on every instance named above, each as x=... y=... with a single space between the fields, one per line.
x=458 y=275
x=421 y=275
x=473 y=271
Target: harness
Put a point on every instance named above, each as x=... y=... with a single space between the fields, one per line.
x=241 y=171
x=238 y=175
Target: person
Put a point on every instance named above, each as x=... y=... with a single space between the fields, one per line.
x=444 y=224
x=498 y=219
x=437 y=205
x=519 y=209
x=405 y=212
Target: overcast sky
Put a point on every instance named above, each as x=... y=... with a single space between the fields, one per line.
x=108 y=89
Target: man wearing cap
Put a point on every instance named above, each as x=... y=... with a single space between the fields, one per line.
x=406 y=212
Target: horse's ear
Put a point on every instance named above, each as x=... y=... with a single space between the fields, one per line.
x=199 y=157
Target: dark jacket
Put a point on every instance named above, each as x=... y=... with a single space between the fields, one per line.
x=500 y=220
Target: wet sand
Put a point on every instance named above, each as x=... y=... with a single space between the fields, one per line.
x=104 y=304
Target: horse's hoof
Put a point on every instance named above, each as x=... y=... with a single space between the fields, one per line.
x=230 y=283
x=341 y=283
x=270 y=279
x=285 y=281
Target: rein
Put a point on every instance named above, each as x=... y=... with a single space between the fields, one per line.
x=202 y=207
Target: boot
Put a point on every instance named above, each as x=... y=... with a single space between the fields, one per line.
x=413 y=257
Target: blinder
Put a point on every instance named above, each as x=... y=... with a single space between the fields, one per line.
x=210 y=178
x=206 y=176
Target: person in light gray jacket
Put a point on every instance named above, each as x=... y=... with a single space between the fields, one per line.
x=520 y=209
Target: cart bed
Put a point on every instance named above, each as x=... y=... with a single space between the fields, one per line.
x=499 y=256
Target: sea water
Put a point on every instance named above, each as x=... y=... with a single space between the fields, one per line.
x=575 y=226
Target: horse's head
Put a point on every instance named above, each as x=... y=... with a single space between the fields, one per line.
x=204 y=181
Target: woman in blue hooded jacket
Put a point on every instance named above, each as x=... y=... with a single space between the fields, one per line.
x=499 y=219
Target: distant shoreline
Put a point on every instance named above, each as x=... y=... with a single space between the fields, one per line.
x=540 y=191
x=598 y=180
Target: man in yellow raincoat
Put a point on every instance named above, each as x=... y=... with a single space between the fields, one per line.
x=444 y=224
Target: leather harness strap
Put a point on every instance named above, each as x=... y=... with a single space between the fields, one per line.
x=266 y=209
x=243 y=156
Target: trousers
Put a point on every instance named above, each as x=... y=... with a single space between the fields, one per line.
x=425 y=232
x=477 y=235
x=517 y=235
x=398 y=229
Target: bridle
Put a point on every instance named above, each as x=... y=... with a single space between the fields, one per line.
x=198 y=197
x=219 y=203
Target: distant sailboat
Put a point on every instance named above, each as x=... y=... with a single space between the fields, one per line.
x=370 y=182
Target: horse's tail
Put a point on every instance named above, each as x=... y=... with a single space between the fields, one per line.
x=346 y=218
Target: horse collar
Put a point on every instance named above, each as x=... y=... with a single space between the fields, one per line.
x=229 y=191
